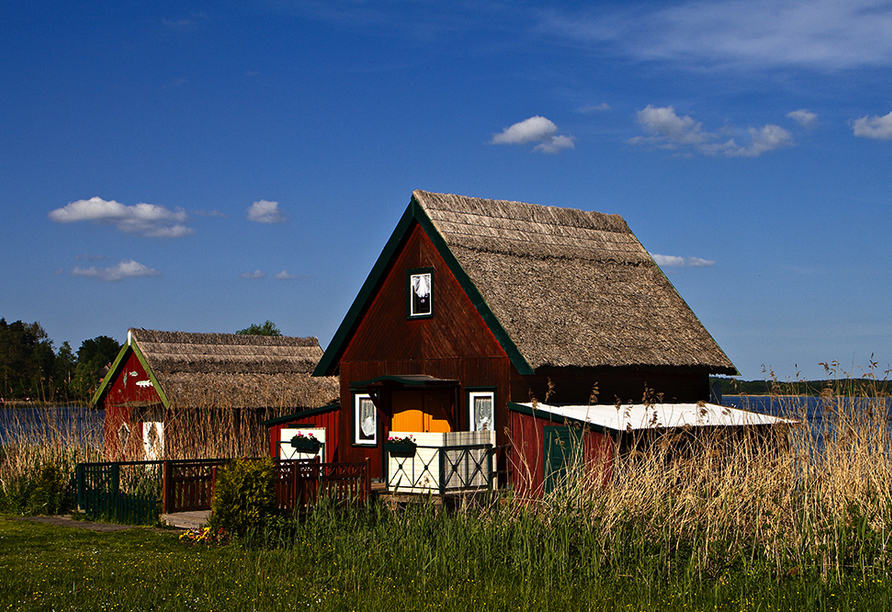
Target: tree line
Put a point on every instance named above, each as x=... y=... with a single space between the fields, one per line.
x=32 y=369
x=853 y=387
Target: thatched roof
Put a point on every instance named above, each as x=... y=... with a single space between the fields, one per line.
x=176 y=352
x=571 y=287
x=230 y=370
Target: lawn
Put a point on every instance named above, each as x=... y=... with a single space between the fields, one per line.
x=360 y=567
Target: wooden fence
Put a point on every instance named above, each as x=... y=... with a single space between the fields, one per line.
x=139 y=491
x=301 y=483
x=126 y=492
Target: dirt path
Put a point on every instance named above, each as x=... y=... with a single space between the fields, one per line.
x=67 y=521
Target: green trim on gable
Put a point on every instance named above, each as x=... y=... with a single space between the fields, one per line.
x=155 y=383
x=110 y=375
x=116 y=368
x=328 y=365
x=415 y=213
x=492 y=322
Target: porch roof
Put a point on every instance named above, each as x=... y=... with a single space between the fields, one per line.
x=406 y=380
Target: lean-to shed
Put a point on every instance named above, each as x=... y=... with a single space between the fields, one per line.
x=178 y=394
x=475 y=303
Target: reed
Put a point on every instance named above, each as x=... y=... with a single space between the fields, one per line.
x=804 y=502
x=44 y=442
x=801 y=499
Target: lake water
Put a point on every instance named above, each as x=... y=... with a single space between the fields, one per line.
x=794 y=406
x=36 y=422
x=40 y=423
x=813 y=409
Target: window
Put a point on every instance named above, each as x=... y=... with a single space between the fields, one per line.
x=420 y=292
x=481 y=406
x=365 y=420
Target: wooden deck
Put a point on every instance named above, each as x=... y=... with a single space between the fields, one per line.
x=195 y=519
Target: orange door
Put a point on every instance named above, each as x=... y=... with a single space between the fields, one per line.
x=420 y=411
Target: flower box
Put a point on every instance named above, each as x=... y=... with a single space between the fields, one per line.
x=400 y=449
x=305 y=444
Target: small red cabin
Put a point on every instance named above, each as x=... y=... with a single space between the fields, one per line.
x=190 y=395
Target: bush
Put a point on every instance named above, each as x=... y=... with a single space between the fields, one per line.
x=243 y=495
x=45 y=490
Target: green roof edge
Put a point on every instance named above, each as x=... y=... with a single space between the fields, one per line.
x=300 y=415
x=326 y=365
x=415 y=212
x=733 y=371
x=130 y=345
x=489 y=318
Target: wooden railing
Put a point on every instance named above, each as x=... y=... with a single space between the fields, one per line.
x=138 y=491
x=188 y=485
x=123 y=492
x=301 y=483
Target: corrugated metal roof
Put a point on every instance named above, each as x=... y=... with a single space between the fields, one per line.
x=631 y=417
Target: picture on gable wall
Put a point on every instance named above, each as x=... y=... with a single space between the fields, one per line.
x=421 y=294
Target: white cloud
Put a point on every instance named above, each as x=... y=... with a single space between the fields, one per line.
x=803 y=117
x=254 y=274
x=125 y=269
x=283 y=275
x=820 y=34
x=668 y=261
x=595 y=108
x=674 y=261
x=675 y=130
x=762 y=140
x=696 y=262
x=667 y=130
x=556 y=144
x=535 y=129
x=265 y=212
x=144 y=219
x=878 y=128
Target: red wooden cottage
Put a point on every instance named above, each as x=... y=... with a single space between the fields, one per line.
x=480 y=312
x=189 y=395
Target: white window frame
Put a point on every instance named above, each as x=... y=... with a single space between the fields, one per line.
x=420 y=274
x=357 y=427
x=474 y=395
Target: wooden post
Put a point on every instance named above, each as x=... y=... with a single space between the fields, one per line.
x=213 y=485
x=317 y=476
x=166 y=497
x=294 y=495
x=367 y=481
x=489 y=474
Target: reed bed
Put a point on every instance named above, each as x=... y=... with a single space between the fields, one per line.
x=40 y=449
x=798 y=499
x=686 y=517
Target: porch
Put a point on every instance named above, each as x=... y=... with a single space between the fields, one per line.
x=428 y=463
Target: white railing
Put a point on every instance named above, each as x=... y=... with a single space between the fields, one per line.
x=441 y=463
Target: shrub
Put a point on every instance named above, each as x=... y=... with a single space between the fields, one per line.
x=44 y=490
x=243 y=495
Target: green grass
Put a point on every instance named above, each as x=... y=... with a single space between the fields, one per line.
x=378 y=560
x=698 y=522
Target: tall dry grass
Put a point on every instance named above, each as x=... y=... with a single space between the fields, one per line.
x=40 y=449
x=795 y=499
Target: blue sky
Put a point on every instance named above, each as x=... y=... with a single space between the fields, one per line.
x=201 y=166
